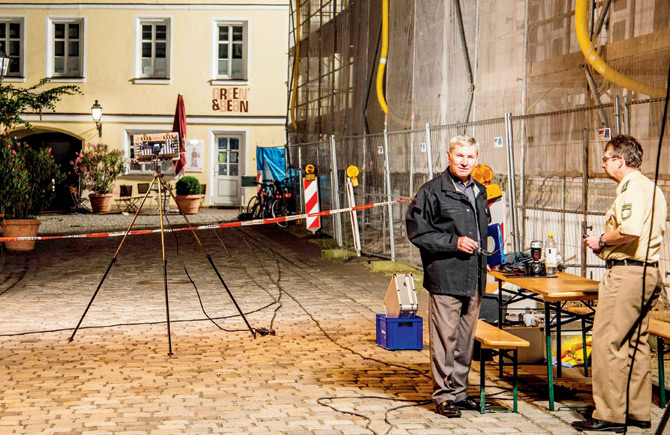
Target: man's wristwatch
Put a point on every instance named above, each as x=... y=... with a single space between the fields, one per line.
x=601 y=242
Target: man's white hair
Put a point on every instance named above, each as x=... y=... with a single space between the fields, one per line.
x=463 y=140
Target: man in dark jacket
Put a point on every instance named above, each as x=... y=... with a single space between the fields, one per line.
x=447 y=220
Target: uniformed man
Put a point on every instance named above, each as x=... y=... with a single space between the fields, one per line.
x=631 y=247
x=447 y=220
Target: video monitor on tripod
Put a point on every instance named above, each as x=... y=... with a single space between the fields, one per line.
x=160 y=146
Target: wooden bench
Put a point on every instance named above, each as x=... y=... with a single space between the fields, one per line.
x=661 y=330
x=505 y=345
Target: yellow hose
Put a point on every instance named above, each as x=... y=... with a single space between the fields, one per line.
x=296 y=66
x=582 y=31
x=382 y=57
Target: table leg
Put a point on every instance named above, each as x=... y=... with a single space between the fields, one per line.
x=586 y=359
x=482 y=381
x=559 y=354
x=550 y=371
x=500 y=324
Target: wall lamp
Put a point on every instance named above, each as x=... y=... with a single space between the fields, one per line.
x=96 y=114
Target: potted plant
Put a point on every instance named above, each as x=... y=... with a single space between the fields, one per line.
x=28 y=178
x=98 y=168
x=188 y=195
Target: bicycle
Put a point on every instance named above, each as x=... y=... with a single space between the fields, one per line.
x=260 y=205
x=280 y=203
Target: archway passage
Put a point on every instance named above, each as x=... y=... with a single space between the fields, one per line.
x=64 y=148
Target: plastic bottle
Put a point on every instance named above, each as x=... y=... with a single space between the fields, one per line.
x=550 y=255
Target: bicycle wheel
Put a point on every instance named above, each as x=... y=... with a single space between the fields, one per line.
x=253 y=207
x=279 y=209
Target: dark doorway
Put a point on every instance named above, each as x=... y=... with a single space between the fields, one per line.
x=64 y=149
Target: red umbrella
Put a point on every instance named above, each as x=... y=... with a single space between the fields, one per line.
x=179 y=125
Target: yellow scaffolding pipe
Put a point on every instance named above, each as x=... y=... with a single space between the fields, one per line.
x=382 y=57
x=585 y=43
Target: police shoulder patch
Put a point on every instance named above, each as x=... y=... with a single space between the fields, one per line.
x=625 y=186
x=626 y=211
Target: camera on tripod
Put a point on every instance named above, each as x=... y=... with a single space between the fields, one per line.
x=535 y=266
x=152 y=147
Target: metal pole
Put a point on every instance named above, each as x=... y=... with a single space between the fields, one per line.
x=429 y=150
x=524 y=104
x=300 y=186
x=626 y=111
x=411 y=156
x=335 y=196
x=585 y=195
x=388 y=190
x=511 y=182
x=618 y=115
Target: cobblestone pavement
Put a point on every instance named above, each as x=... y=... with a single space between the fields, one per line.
x=321 y=373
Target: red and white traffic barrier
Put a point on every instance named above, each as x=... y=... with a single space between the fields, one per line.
x=312 y=204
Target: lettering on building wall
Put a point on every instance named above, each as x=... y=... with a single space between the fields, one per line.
x=230 y=99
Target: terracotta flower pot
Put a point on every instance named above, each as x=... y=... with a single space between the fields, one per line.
x=20 y=228
x=101 y=202
x=188 y=204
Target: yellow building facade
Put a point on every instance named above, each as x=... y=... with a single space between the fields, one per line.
x=228 y=59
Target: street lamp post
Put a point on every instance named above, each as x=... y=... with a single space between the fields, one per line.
x=96 y=114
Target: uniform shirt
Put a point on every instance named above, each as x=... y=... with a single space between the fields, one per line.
x=630 y=213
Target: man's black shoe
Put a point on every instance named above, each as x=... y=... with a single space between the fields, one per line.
x=642 y=424
x=448 y=409
x=467 y=405
x=593 y=424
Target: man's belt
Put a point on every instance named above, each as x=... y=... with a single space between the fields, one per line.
x=612 y=263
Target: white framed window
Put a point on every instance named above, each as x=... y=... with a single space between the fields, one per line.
x=65 y=47
x=231 y=50
x=228 y=149
x=153 y=47
x=12 y=43
x=134 y=168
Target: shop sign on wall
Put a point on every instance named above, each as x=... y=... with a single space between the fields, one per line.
x=230 y=99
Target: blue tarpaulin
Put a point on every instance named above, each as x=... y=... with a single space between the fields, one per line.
x=271 y=162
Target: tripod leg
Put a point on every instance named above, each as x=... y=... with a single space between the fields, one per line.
x=209 y=258
x=111 y=263
x=161 y=186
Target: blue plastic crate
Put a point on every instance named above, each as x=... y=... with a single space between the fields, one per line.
x=403 y=333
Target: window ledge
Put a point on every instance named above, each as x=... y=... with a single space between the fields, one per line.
x=66 y=79
x=224 y=82
x=152 y=81
x=14 y=79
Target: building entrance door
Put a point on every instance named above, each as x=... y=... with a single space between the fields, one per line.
x=64 y=148
x=228 y=159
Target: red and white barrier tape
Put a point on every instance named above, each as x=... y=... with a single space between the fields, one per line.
x=209 y=226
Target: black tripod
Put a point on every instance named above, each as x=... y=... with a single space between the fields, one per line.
x=162 y=187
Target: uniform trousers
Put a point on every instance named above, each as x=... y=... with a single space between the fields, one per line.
x=619 y=305
x=453 y=321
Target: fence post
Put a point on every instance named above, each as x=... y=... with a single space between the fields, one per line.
x=618 y=115
x=301 y=193
x=511 y=181
x=429 y=150
x=388 y=191
x=335 y=197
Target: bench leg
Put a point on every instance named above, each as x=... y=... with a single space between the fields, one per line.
x=482 y=382
x=661 y=370
x=516 y=383
x=559 y=351
x=550 y=370
x=586 y=360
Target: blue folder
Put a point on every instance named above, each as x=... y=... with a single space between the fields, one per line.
x=498 y=256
